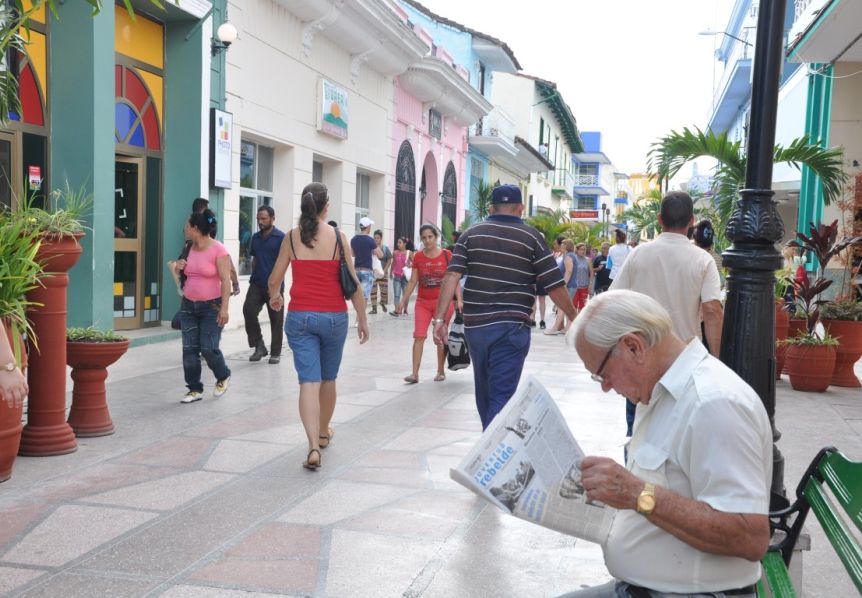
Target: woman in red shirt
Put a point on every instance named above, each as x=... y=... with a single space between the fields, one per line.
x=429 y=268
x=316 y=323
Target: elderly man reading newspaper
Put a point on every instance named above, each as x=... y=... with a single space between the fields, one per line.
x=692 y=504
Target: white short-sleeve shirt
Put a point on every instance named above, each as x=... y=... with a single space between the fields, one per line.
x=677 y=274
x=704 y=435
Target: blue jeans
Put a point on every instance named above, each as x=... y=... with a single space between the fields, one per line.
x=317 y=342
x=201 y=336
x=366 y=279
x=498 y=353
x=399 y=283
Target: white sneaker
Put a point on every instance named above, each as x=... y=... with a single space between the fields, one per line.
x=192 y=396
x=221 y=387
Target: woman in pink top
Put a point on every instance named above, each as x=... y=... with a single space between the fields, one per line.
x=316 y=323
x=204 y=312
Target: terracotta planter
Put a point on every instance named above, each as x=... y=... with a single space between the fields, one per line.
x=849 y=335
x=810 y=366
x=782 y=325
x=89 y=415
x=794 y=327
x=47 y=432
x=10 y=424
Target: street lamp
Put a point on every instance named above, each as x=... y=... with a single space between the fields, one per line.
x=605 y=219
x=226 y=35
x=748 y=334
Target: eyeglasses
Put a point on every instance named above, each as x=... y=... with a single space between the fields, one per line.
x=597 y=377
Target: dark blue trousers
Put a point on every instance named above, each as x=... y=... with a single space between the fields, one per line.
x=497 y=353
x=201 y=336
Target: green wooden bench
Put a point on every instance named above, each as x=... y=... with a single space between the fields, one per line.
x=844 y=479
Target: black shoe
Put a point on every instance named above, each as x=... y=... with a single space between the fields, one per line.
x=273 y=359
x=532 y=323
x=259 y=352
x=383 y=307
x=542 y=324
x=373 y=310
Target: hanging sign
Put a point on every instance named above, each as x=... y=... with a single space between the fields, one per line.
x=333 y=115
x=594 y=214
x=221 y=148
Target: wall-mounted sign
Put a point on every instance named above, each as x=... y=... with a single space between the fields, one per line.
x=435 y=124
x=333 y=114
x=34 y=178
x=594 y=214
x=221 y=148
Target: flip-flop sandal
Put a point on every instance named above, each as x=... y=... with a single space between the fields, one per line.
x=439 y=377
x=308 y=465
x=325 y=440
x=411 y=379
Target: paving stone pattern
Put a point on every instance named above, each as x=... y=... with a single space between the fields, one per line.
x=209 y=499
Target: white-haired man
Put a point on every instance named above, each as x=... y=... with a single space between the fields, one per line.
x=694 y=498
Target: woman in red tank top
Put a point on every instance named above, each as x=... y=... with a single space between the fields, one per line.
x=429 y=268
x=316 y=323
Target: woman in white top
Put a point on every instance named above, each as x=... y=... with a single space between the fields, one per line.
x=618 y=253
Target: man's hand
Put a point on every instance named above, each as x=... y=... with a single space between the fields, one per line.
x=13 y=387
x=441 y=333
x=234 y=289
x=609 y=482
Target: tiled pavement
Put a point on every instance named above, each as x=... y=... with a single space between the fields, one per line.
x=209 y=499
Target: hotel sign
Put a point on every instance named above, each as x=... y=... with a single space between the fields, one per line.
x=333 y=115
x=590 y=214
x=221 y=148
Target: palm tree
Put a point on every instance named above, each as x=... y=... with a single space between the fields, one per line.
x=643 y=216
x=673 y=151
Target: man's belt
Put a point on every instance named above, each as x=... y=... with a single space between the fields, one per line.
x=641 y=592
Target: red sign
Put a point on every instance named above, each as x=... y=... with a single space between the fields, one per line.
x=594 y=214
x=34 y=177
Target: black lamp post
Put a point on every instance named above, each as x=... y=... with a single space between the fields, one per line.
x=748 y=333
x=605 y=219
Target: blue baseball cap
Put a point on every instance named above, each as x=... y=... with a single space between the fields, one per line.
x=506 y=194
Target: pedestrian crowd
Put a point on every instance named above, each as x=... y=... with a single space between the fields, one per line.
x=645 y=320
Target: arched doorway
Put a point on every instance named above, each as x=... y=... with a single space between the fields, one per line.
x=429 y=192
x=450 y=194
x=405 y=192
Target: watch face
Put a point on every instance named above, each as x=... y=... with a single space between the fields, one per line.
x=646 y=503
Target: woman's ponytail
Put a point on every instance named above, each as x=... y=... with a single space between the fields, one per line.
x=314 y=199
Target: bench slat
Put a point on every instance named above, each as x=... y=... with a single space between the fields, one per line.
x=836 y=530
x=777 y=577
x=844 y=478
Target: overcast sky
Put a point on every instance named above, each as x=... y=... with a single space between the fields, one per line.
x=632 y=69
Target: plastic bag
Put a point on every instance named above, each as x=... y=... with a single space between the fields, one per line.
x=377 y=267
x=457 y=354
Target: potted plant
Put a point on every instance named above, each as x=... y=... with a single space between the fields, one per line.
x=19 y=274
x=843 y=320
x=810 y=355
x=89 y=352
x=60 y=225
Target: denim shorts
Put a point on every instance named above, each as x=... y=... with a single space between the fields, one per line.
x=366 y=279
x=316 y=340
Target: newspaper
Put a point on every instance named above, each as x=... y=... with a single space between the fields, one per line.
x=528 y=463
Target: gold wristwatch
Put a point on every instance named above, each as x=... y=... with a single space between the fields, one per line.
x=646 y=500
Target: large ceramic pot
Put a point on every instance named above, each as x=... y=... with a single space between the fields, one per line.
x=89 y=415
x=810 y=366
x=794 y=327
x=47 y=432
x=10 y=423
x=782 y=325
x=848 y=352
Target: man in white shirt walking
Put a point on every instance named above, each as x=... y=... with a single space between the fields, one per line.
x=680 y=276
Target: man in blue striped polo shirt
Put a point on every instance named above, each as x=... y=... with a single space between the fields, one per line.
x=502 y=258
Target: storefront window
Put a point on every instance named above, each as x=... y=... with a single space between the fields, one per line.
x=256 y=166
x=363 y=186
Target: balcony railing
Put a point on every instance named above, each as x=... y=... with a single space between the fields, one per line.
x=497 y=123
x=586 y=180
x=563 y=180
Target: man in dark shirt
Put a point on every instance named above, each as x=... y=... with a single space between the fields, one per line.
x=502 y=258
x=364 y=246
x=603 y=273
x=263 y=251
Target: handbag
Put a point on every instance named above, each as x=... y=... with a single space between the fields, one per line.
x=349 y=284
x=377 y=267
x=458 y=355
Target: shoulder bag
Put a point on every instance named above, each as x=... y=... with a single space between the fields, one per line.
x=349 y=284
